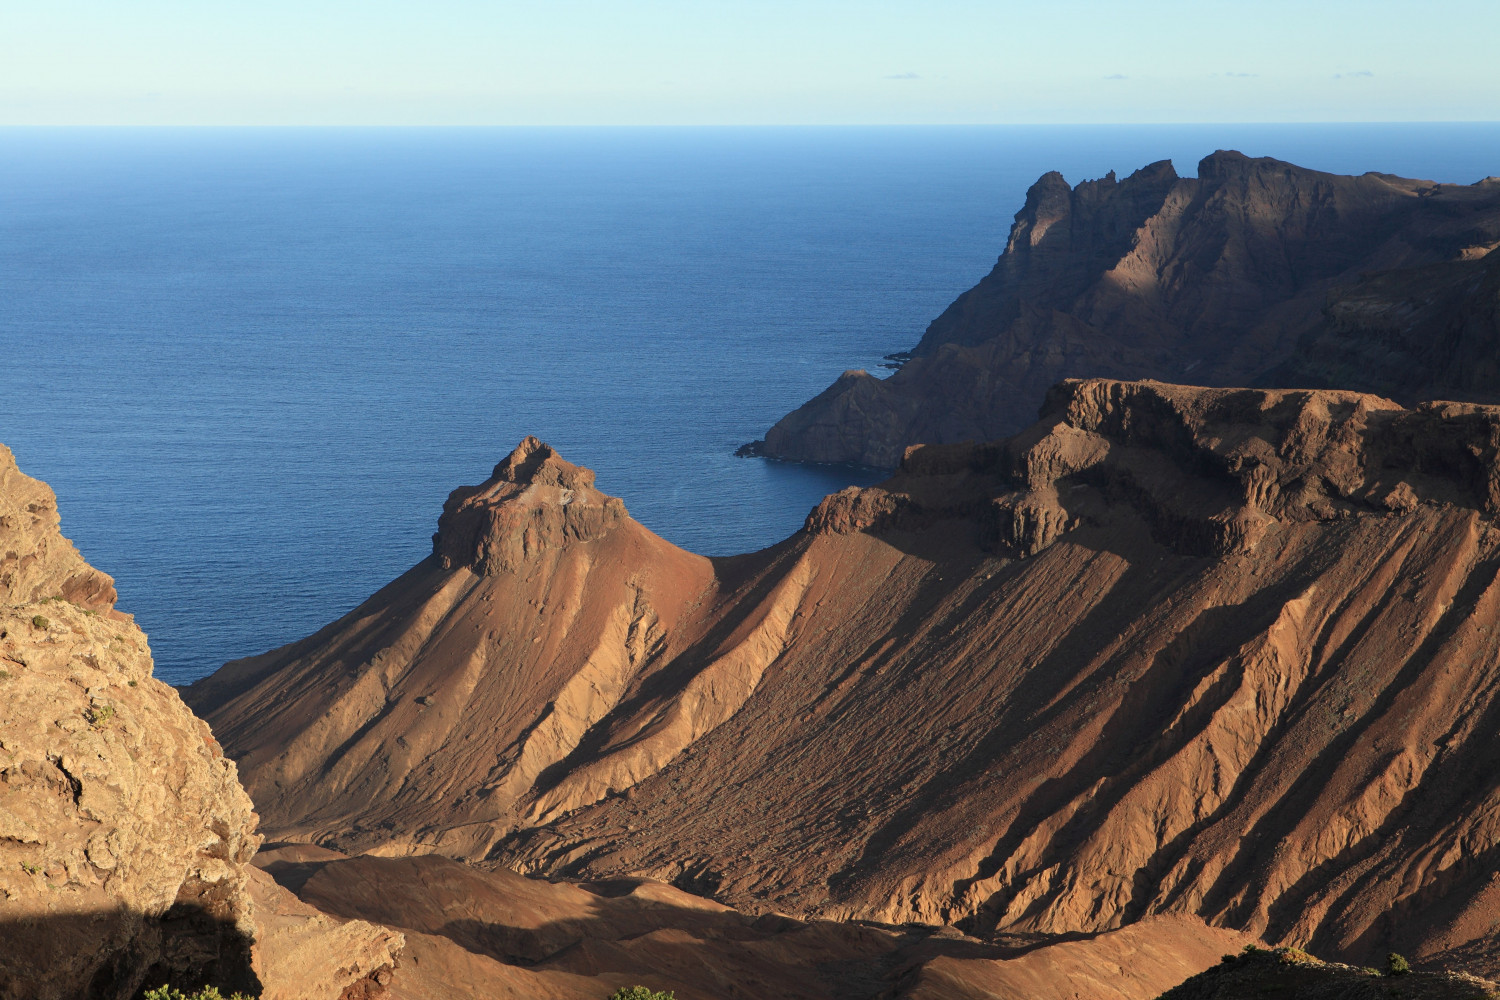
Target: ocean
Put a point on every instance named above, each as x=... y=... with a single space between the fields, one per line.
x=253 y=362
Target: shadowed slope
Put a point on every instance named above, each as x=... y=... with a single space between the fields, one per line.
x=1222 y=279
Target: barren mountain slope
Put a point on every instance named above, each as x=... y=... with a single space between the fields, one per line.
x=1218 y=280
x=1230 y=653
x=430 y=716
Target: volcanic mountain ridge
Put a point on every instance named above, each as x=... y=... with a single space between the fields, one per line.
x=1228 y=654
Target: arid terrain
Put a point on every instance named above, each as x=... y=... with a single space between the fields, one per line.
x=1220 y=654
x=128 y=848
x=1116 y=688
x=1255 y=272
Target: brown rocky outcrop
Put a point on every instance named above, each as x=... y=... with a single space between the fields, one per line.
x=1225 y=654
x=36 y=561
x=1256 y=272
x=124 y=832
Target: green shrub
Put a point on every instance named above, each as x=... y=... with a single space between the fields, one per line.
x=165 y=992
x=1395 y=965
x=633 y=993
x=99 y=714
x=39 y=621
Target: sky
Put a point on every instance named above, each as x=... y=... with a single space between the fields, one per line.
x=717 y=62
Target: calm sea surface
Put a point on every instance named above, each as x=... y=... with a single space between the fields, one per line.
x=253 y=363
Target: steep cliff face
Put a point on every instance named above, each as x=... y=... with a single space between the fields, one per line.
x=124 y=832
x=1222 y=279
x=1419 y=332
x=1221 y=653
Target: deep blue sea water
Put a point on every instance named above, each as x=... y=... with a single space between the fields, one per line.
x=252 y=363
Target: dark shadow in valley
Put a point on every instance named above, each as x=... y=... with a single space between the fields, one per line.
x=117 y=954
x=621 y=932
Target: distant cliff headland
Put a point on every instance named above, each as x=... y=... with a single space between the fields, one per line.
x=1254 y=273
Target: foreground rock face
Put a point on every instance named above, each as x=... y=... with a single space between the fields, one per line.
x=1229 y=654
x=124 y=832
x=1254 y=272
x=498 y=934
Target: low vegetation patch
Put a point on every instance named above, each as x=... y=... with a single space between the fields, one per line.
x=40 y=621
x=207 y=993
x=1293 y=973
x=640 y=993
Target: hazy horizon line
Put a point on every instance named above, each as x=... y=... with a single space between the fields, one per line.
x=733 y=125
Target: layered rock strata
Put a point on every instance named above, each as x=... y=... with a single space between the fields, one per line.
x=1229 y=654
x=1255 y=272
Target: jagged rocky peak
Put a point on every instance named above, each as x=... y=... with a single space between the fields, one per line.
x=533 y=500
x=36 y=561
x=1110 y=209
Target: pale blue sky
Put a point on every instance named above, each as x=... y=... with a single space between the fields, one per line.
x=576 y=62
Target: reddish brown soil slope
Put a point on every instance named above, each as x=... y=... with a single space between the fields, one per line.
x=1222 y=279
x=1225 y=653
